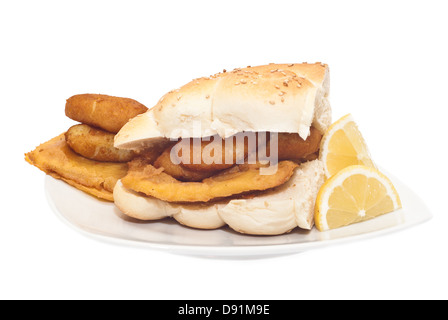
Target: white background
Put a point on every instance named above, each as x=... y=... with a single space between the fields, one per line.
x=388 y=62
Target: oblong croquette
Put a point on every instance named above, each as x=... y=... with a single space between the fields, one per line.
x=106 y=112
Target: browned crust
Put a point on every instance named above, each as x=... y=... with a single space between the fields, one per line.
x=292 y=147
x=57 y=159
x=106 y=112
x=96 y=144
x=178 y=171
x=154 y=182
x=100 y=194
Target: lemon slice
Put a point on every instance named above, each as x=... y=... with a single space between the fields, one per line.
x=356 y=193
x=342 y=146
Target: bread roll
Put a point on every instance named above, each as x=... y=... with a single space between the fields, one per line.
x=276 y=98
x=271 y=213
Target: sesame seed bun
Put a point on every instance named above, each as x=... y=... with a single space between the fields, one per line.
x=277 y=98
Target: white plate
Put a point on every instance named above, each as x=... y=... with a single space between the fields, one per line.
x=104 y=221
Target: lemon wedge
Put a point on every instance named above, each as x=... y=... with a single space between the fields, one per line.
x=342 y=146
x=354 y=194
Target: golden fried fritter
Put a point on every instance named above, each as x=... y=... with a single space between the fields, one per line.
x=188 y=171
x=178 y=171
x=102 y=111
x=96 y=144
x=228 y=152
x=154 y=182
x=292 y=147
x=96 y=178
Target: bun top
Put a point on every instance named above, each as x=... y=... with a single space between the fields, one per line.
x=275 y=97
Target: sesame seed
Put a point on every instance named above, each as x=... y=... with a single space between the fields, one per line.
x=243 y=81
x=283 y=99
x=224 y=71
x=283 y=73
x=178 y=98
x=237 y=83
x=275 y=70
x=291 y=65
x=285 y=83
x=282 y=93
x=207 y=97
x=277 y=86
x=299 y=85
x=272 y=102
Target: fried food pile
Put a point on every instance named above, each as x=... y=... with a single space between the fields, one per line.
x=186 y=181
x=290 y=147
x=85 y=156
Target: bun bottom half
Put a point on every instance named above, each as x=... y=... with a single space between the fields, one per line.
x=274 y=212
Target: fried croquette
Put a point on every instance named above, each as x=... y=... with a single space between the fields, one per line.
x=178 y=171
x=57 y=159
x=96 y=144
x=215 y=155
x=103 y=111
x=292 y=147
x=154 y=182
x=233 y=150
